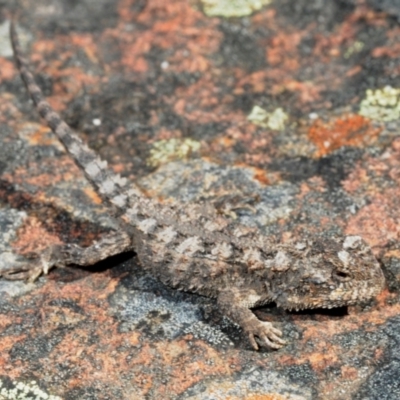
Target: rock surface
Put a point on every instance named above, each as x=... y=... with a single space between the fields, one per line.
x=289 y=113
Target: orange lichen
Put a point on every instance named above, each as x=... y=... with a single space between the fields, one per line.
x=68 y=81
x=283 y=50
x=194 y=356
x=91 y=193
x=61 y=170
x=390 y=50
x=88 y=44
x=34 y=238
x=176 y=22
x=9 y=113
x=202 y=103
x=272 y=396
x=325 y=358
x=37 y=135
x=351 y=130
x=376 y=221
x=349 y=373
x=393 y=253
x=7 y=70
x=6 y=345
x=41 y=46
x=261 y=176
x=355 y=180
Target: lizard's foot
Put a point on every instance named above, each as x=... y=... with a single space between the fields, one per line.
x=265 y=333
x=69 y=254
x=26 y=271
x=29 y=270
x=235 y=303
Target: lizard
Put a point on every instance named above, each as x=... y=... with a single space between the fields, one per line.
x=195 y=249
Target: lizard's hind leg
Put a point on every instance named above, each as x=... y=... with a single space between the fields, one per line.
x=70 y=254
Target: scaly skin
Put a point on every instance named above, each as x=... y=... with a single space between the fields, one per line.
x=192 y=248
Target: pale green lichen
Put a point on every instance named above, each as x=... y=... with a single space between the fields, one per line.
x=381 y=104
x=258 y=116
x=25 y=391
x=275 y=120
x=354 y=48
x=174 y=149
x=232 y=8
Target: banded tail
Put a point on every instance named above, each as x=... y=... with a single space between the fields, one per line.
x=110 y=186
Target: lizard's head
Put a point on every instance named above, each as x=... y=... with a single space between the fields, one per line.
x=326 y=274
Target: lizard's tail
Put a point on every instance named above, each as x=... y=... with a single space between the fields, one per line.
x=110 y=186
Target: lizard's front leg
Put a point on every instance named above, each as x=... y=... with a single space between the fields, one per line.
x=62 y=255
x=236 y=304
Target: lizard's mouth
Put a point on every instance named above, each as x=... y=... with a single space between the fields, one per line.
x=309 y=306
x=345 y=294
x=294 y=306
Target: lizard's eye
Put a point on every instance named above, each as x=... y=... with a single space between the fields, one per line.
x=341 y=275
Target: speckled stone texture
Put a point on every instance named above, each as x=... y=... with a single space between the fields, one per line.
x=166 y=94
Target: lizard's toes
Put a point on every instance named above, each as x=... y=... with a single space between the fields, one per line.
x=266 y=335
x=26 y=271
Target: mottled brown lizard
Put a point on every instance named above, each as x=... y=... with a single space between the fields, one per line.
x=193 y=248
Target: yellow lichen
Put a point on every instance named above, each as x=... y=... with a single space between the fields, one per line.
x=381 y=104
x=275 y=120
x=22 y=391
x=165 y=151
x=232 y=8
x=354 y=48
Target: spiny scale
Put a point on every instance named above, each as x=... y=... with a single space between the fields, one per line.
x=192 y=248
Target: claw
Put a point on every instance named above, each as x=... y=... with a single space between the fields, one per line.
x=253 y=341
x=270 y=343
x=266 y=334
